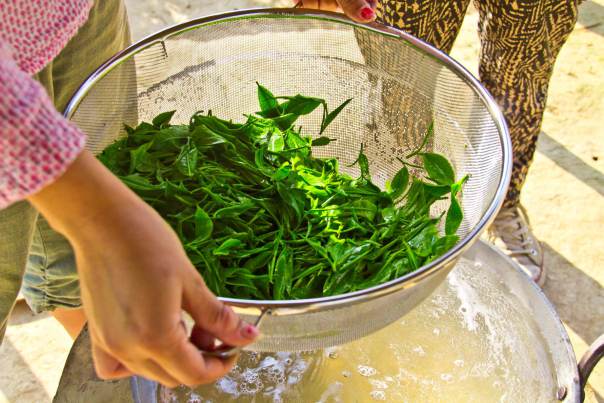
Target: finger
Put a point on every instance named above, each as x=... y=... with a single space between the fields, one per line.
x=328 y=5
x=359 y=10
x=223 y=366
x=183 y=360
x=109 y=366
x=214 y=316
x=314 y=4
x=106 y=366
x=187 y=365
x=202 y=339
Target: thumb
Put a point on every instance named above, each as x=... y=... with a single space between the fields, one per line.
x=359 y=10
x=214 y=316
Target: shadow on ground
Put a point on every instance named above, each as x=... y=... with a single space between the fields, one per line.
x=22 y=314
x=567 y=284
x=568 y=161
x=27 y=380
x=591 y=17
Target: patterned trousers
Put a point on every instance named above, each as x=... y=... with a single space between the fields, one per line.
x=520 y=40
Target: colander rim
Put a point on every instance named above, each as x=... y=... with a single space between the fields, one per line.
x=407 y=281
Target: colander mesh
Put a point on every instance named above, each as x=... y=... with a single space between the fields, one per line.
x=397 y=90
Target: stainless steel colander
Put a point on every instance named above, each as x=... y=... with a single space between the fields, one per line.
x=399 y=85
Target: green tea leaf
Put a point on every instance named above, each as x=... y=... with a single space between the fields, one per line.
x=364 y=208
x=203 y=137
x=170 y=138
x=284 y=122
x=300 y=105
x=282 y=173
x=389 y=214
x=318 y=248
x=439 y=169
x=435 y=192
x=399 y=183
x=227 y=247
x=234 y=210
x=427 y=137
x=203 y=225
x=329 y=117
x=322 y=141
x=364 y=165
x=338 y=283
x=423 y=243
x=261 y=163
x=295 y=142
x=411 y=256
x=139 y=158
x=276 y=142
x=139 y=183
x=162 y=120
x=442 y=245
x=186 y=162
x=283 y=275
x=454 y=214
x=113 y=156
x=294 y=198
x=267 y=100
x=259 y=261
x=454 y=217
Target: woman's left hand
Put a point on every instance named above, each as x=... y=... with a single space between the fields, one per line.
x=358 y=10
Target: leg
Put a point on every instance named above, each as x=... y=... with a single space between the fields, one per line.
x=520 y=41
x=434 y=21
x=51 y=282
x=73 y=320
x=104 y=34
x=17 y=224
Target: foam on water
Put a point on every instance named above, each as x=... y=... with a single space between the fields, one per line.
x=472 y=341
x=365 y=370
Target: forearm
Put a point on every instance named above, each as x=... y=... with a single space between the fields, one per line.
x=84 y=195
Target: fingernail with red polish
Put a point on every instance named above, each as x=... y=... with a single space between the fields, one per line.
x=367 y=13
x=250 y=332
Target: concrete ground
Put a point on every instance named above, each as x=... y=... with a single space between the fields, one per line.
x=564 y=196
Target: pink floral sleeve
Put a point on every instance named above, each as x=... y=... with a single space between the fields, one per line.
x=36 y=143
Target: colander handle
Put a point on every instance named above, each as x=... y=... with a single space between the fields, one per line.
x=588 y=362
x=224 y=351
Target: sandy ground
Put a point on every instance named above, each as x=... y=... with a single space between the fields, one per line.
x=564 y=196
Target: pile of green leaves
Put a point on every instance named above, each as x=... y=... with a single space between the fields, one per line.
x=261 y=218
